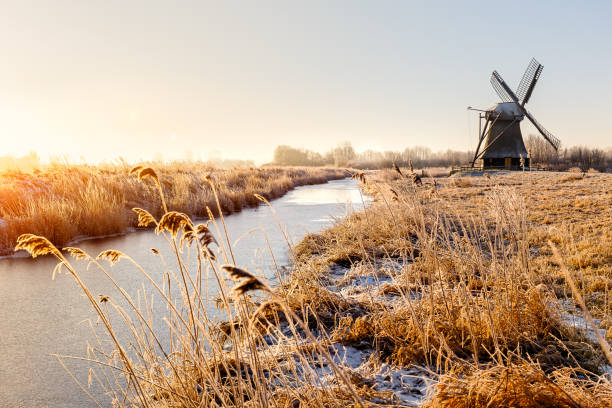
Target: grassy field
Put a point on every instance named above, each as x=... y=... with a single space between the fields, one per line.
x=461 y=278
x=470 y=292
x=64 y=202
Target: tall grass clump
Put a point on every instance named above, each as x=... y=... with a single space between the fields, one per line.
x=66 y=202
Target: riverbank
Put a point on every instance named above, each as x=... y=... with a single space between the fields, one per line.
x=72 y=202
x=440 y=295
x=454 y=288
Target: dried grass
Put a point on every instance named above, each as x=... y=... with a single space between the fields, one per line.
x=473 y=294
x=475 y=283
x=520 y=384
x=64 y=202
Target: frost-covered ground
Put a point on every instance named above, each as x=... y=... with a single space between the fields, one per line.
x=400 y=385
x=407 y=386
x=574 y=317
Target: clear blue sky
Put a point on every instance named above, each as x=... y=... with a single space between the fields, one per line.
x=109 y=78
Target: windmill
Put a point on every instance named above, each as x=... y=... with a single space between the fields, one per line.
x=503 y=141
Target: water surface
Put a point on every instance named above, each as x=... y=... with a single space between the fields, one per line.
x=41 y=317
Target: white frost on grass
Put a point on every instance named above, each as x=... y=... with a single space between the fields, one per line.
x=574 y=317
x=364 y=281
x=348 y=356
x=581 y=324
x=402 y=386
x=409 y=386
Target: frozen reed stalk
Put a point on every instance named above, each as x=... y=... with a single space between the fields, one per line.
x=416 y=179
x=397 y=169
x=248 y=281
x=148 y=172
x=605 y=346
x=359 y=176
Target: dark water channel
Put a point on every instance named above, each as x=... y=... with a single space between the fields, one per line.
x=40 y=316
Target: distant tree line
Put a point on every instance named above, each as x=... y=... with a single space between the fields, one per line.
x=585 y=158
x=344 y=155
x=290 y=156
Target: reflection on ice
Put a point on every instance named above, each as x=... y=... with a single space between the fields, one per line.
x=329 y=195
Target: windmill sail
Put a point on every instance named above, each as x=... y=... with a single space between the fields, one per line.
x=504 y=92
x=530 y=77
x=498 y=84
x=545 y=133
x=502 y=89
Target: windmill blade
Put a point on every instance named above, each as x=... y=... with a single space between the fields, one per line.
x=530 y=77
x=545 y=133
x=502 y=89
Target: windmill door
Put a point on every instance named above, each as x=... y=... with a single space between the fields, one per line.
x=508 y=163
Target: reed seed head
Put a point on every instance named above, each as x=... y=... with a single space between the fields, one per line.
x=397 y=169
x=416 y=180
x=359 y=176
x=36 y=245
x=249 y=281
x=206 y=238
x=248 y=285
x=237 y=273
x=144 y=172
x=173 y=221
x=77 y=253
x=144 y=217
x=395 y=196
x=135 y=170
x=111 y=255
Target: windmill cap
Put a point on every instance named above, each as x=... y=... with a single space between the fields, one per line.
x=506 y=111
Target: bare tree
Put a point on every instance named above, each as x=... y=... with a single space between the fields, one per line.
x=540 y=151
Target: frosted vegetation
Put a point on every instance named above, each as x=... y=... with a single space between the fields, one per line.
x=65 y=202
x=444 y=293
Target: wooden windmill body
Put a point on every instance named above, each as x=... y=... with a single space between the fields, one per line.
x=503 y=145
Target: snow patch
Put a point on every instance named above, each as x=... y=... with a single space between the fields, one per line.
x=574 y=317
x=365 y=280
x=581 y=324
x=409 y=386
